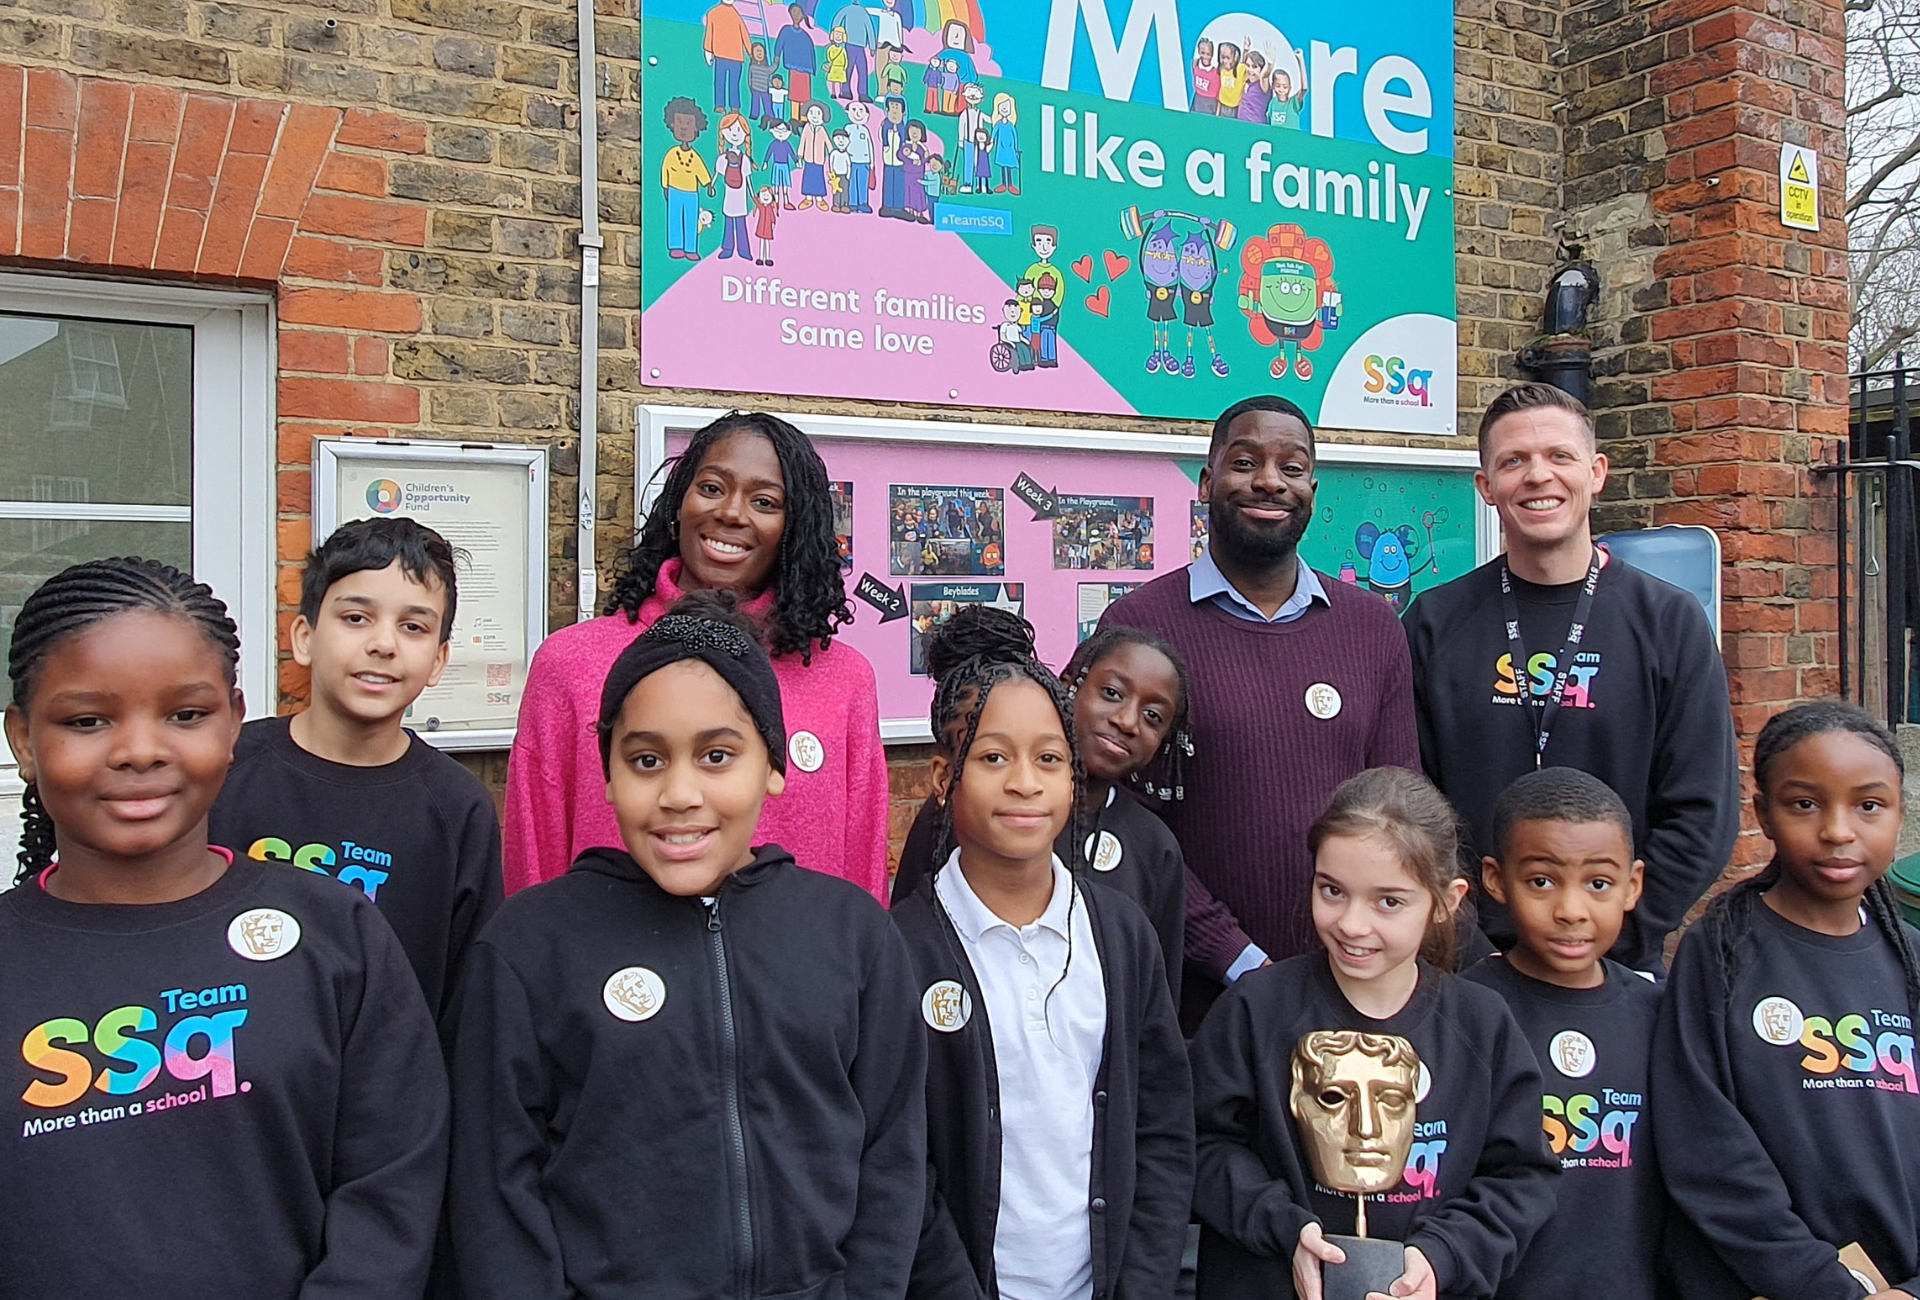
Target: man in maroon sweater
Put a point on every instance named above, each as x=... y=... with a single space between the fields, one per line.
x=1298 y=682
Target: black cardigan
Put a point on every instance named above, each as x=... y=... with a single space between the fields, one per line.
x=1142 y=1180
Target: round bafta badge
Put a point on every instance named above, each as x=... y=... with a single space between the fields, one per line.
x=805 y=751
x=1323 y=701
x=1778 y=1021
x=634 y=994
x=263 y=934
x=946 y=1006
x=1572 y=1053
x=1104 y=851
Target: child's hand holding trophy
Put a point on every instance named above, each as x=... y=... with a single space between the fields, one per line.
x=1353 y=1097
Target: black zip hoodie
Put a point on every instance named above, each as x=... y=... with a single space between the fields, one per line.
x=1142 y=1180
x=1143 y=861
x=1480 y=1180
x=667 y=1097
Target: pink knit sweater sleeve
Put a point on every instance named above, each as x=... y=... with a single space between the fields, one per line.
x=537 y=842
x=867 y=790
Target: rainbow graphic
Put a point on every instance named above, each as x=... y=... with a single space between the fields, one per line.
x=383 y=496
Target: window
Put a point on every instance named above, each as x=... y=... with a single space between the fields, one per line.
x=137 y=420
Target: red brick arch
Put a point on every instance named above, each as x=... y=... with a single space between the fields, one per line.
x=97 y=173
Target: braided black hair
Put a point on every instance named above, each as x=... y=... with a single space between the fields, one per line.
x=1164 y=776
x=76 y=598
x=1730 y=918
x=810 y=593
x=997 y=646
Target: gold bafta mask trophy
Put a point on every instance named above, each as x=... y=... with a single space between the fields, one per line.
x=1353 y=1098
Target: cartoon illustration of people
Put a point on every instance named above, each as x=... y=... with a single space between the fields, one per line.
x=972 y=122
x=859 y=158
x=815 y=144
x=795 y=55
x=777 y=93
x=734 y=166
x=856 y=20
x=1011 y=353
x=893 y=175
x=1046 y=320
x=1289 y=296
x=839 y=64
x=930 y=79
x=726 y=47
x=930 y=181
x=1045 y=241
x=890 y=39
x=981 y=159
x=683 y=174
x=956 y=38
x=1233 y=80
x=759 y=83
x=1006 y=144
x=1206 y=80
x=840 y=171
x=780 y=158
x=766 y=211
x=913 y=166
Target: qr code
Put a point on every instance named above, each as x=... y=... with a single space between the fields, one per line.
x=499 y=674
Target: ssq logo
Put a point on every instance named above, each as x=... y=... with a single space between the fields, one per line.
x=363 y=863
x=1392 y=378
x=195 y=1047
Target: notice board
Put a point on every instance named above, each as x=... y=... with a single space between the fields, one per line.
x=934 y=516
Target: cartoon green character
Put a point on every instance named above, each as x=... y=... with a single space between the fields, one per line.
x=1288 y=295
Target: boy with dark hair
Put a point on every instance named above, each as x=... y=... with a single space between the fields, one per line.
x=343 y=789
x=1566 y=873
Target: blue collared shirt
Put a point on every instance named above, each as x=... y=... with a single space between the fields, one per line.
x=1206 y=582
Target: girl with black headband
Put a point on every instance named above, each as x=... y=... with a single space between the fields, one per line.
x=1059 y=1110
x=688 y=1068
x=1129 y=693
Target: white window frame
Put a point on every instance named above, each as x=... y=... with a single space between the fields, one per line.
x=234 y=441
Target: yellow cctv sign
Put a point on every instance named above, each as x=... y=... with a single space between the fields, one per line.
x=1799 y=187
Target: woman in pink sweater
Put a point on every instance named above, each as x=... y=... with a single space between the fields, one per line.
x=745 y=509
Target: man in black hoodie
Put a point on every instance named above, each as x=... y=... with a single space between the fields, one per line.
x=690 y=1069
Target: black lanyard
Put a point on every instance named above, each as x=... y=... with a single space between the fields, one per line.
x=1543 y=718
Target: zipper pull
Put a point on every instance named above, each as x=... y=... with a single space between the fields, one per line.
x=713 y=915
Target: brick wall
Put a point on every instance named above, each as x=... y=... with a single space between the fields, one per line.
x=403 y=173
x=1720 y=347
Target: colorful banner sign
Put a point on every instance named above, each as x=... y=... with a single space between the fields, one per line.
x=1120 y=206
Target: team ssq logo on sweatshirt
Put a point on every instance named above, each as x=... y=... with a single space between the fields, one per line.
x=1589 y=1131
x=1870 y=1050
x=124 y=1054
x=359 y=864
x=1541 y=670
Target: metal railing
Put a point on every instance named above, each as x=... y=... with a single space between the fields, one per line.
x=1878 y=553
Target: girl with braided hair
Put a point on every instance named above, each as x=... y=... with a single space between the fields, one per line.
x=1129 y=694
x=227 y=1081
x=746 y=509
x=1059 y=1111
x=1785 y=1090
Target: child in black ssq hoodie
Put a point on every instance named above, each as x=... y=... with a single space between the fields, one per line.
x=1567 y=877
x=1059 y=1118
x=1129 y=695
x=226 y=1082
x=1478 y=1181
x=690 y=1068
x=1784 y=1085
